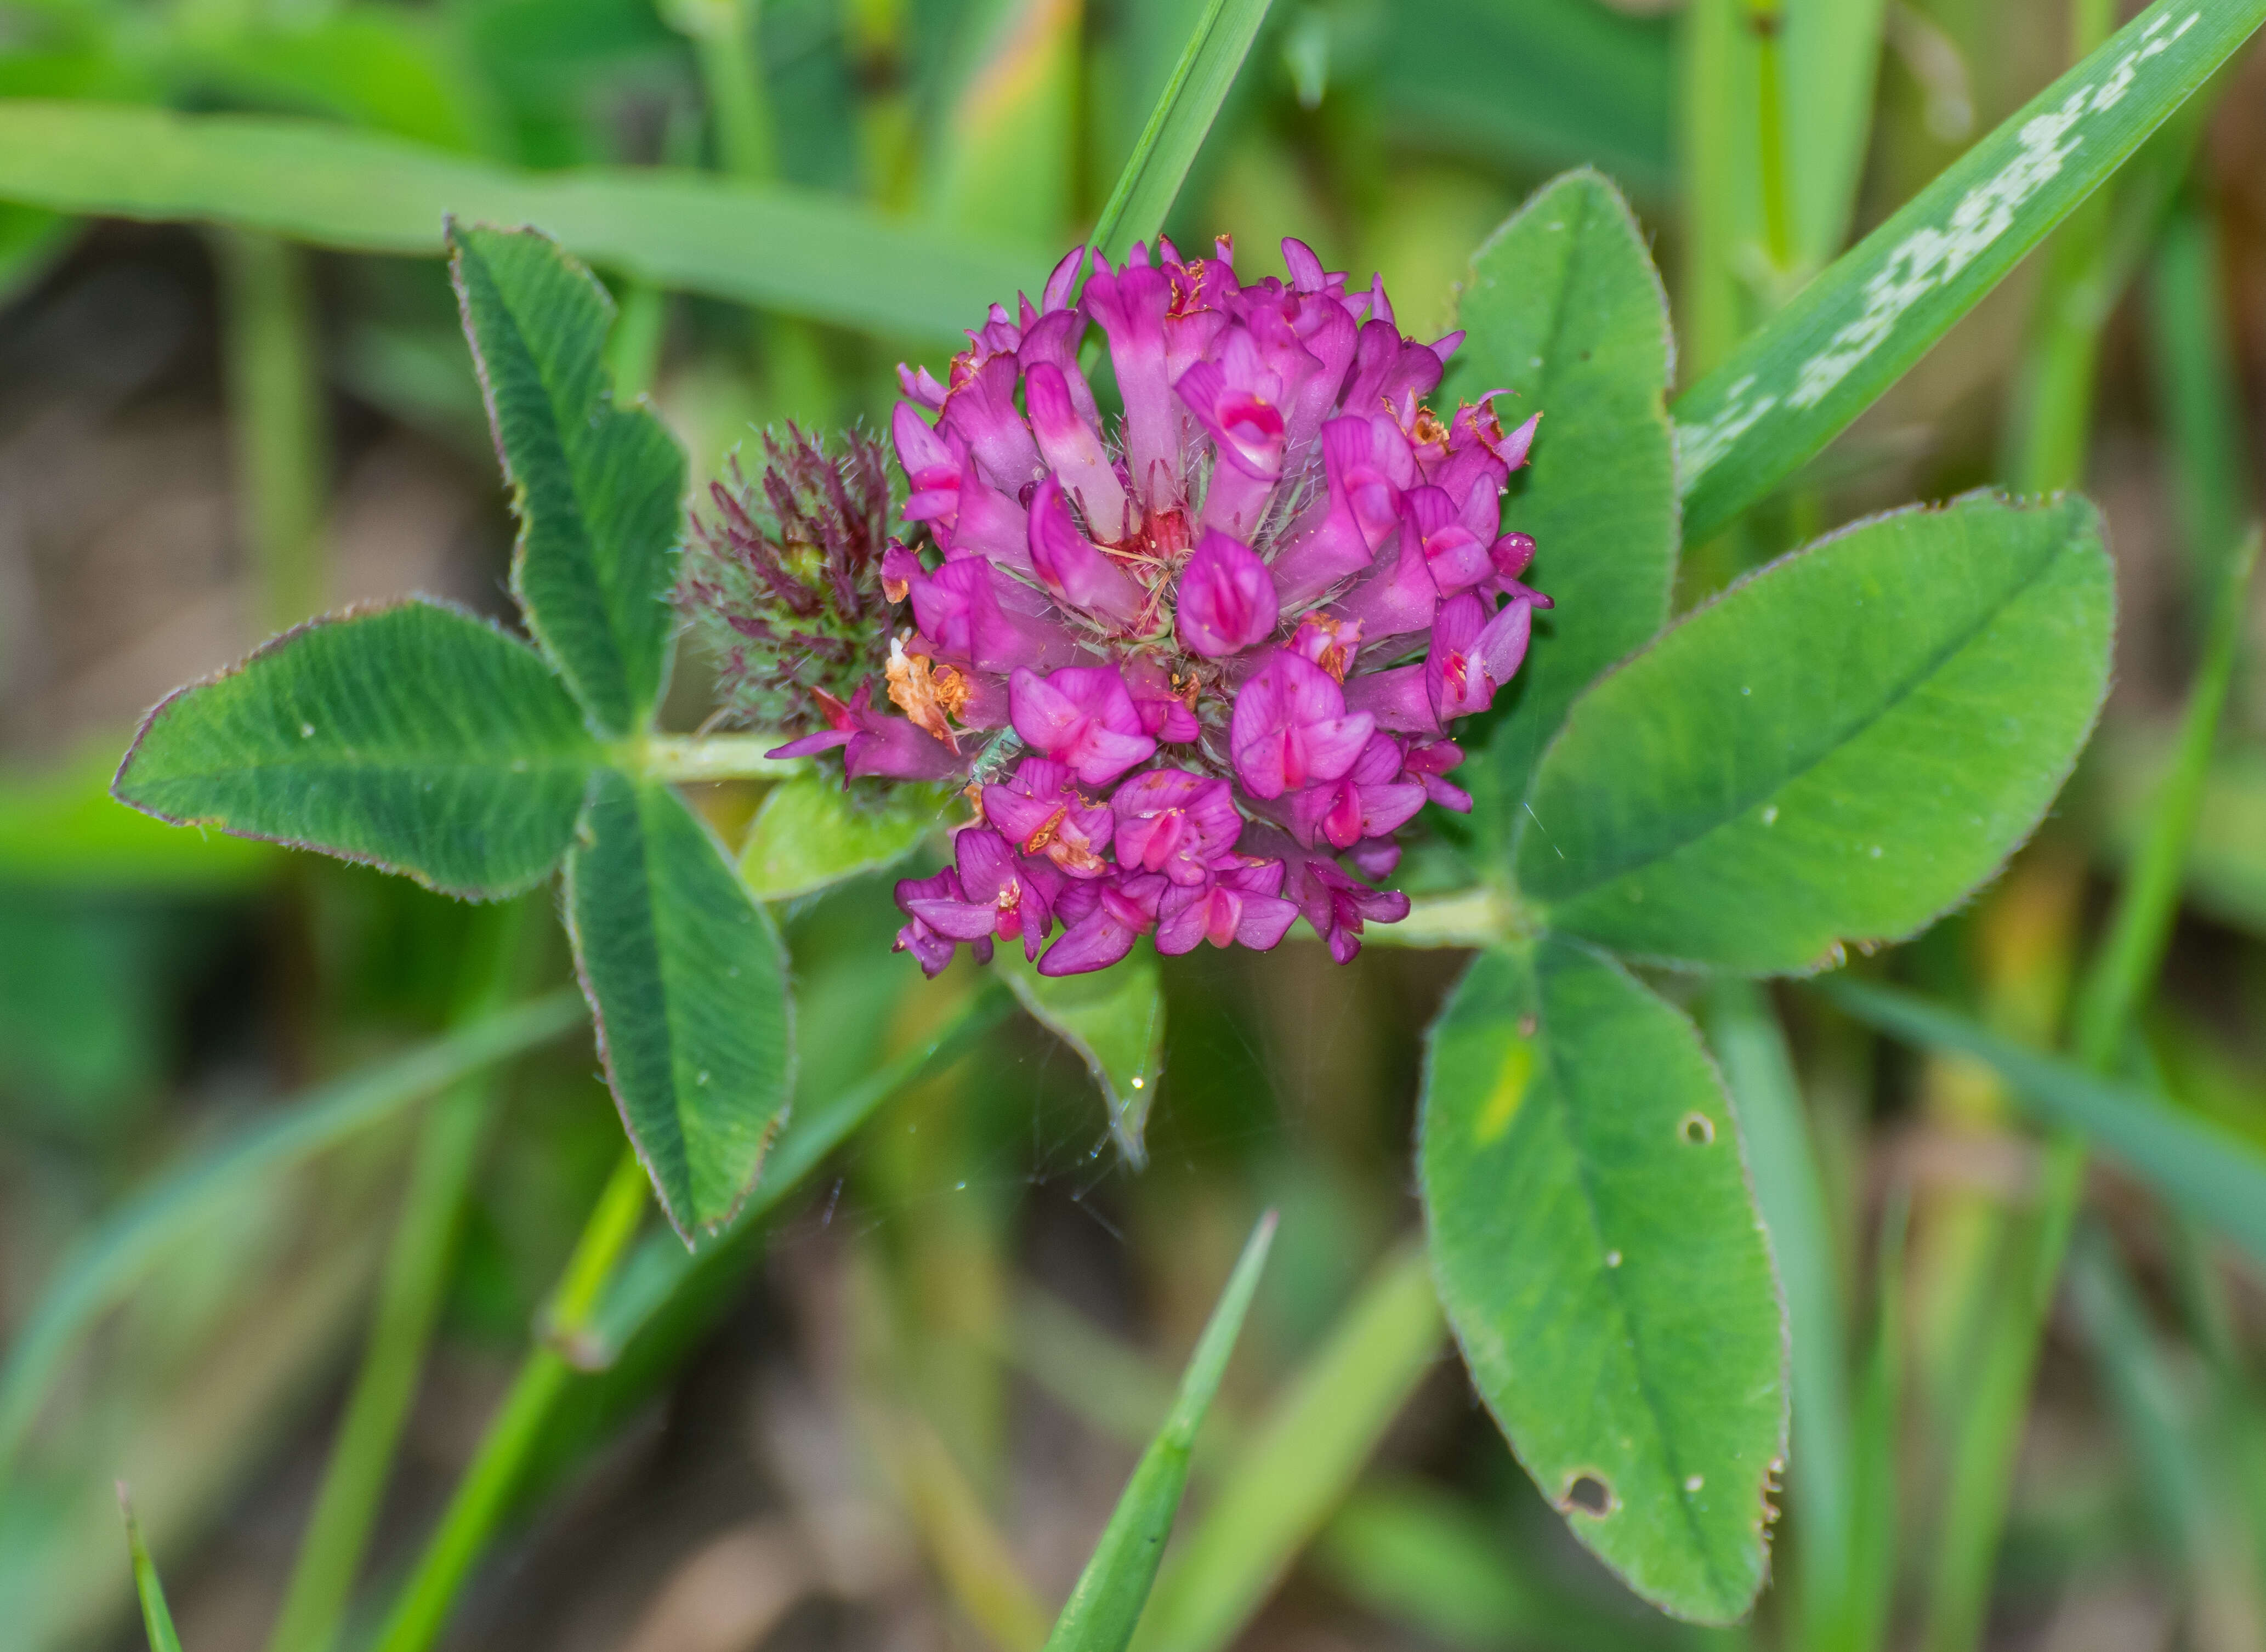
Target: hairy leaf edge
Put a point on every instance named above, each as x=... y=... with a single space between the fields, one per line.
x=351 y=612
x=1765 y=1512
x=787 y=1068
x=1828 y=960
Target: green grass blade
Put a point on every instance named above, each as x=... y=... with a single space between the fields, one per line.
x=157 y=1616
x=2049 y=408
x=1711 y=304
x=139 y=1234
x=1858 y=1621
x=1832 y=53
x=2197 y=391
x=1305 y=1455
x=605 y=1300
x=2157 y=1140
x=2209 y=1172
x=2140 y=1390
x=1530 y=85
x=791 y=250
x=417 y=1273
x=1783 y=1163
x=1178 y=126
x=1106 y=1605
x=2124 y=970
x=422 y=1609
x=1792 y=386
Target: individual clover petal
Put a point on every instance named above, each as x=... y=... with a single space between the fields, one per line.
x=1018 y=892
x=1083 y=717
x=1290 y=727
x=1172 y=821
x=1165 y=712
x=1077 y=572
x=1131 y=304
x=925 y=901
x=1074 y=452
x=1227 y=601
x=980 y=409
x=1474 y=655
x=1373 y=798
x=874 y=743
x=1335 y=904
x=964 y=612
x=1429 y=760
x=1042 y=814
x=1366 y=460
x=1238 y=905
x=1125 y=911
x=1458 y=557
x=1397 y=699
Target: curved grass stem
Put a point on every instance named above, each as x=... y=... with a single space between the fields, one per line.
x=422 y=1609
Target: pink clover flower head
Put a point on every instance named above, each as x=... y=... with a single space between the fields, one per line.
x=1198 y=657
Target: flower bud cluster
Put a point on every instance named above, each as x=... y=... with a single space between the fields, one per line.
x=782 y=581
x=1195 y=665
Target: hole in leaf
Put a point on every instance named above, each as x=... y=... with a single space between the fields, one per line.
x=1589 y=1494
x=1697 y=1128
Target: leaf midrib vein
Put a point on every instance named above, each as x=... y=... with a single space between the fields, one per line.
x=1901 y=692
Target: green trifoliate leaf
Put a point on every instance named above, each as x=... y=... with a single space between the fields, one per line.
x=599 y=488
x=689 y=981
x=811 y=832
x=1114 y=1019
x=1598 y=1253
x=1838 y=749
x=416 y=738
x=1564 y=310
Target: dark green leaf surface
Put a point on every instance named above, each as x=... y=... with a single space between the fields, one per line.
x=416 y=738
x=1838 y=748
x=689 y=981
x=1564 y=309
x=1599 y=1256
x=1115 y=1019
x=795 y=249
x=810 y=832
x=1796 y=383
x=598 y=487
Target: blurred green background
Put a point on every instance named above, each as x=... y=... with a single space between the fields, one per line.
x=900 y=1418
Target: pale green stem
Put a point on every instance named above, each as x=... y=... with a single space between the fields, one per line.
x=1483 y=916
x=277 y=418
x=686 y=758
